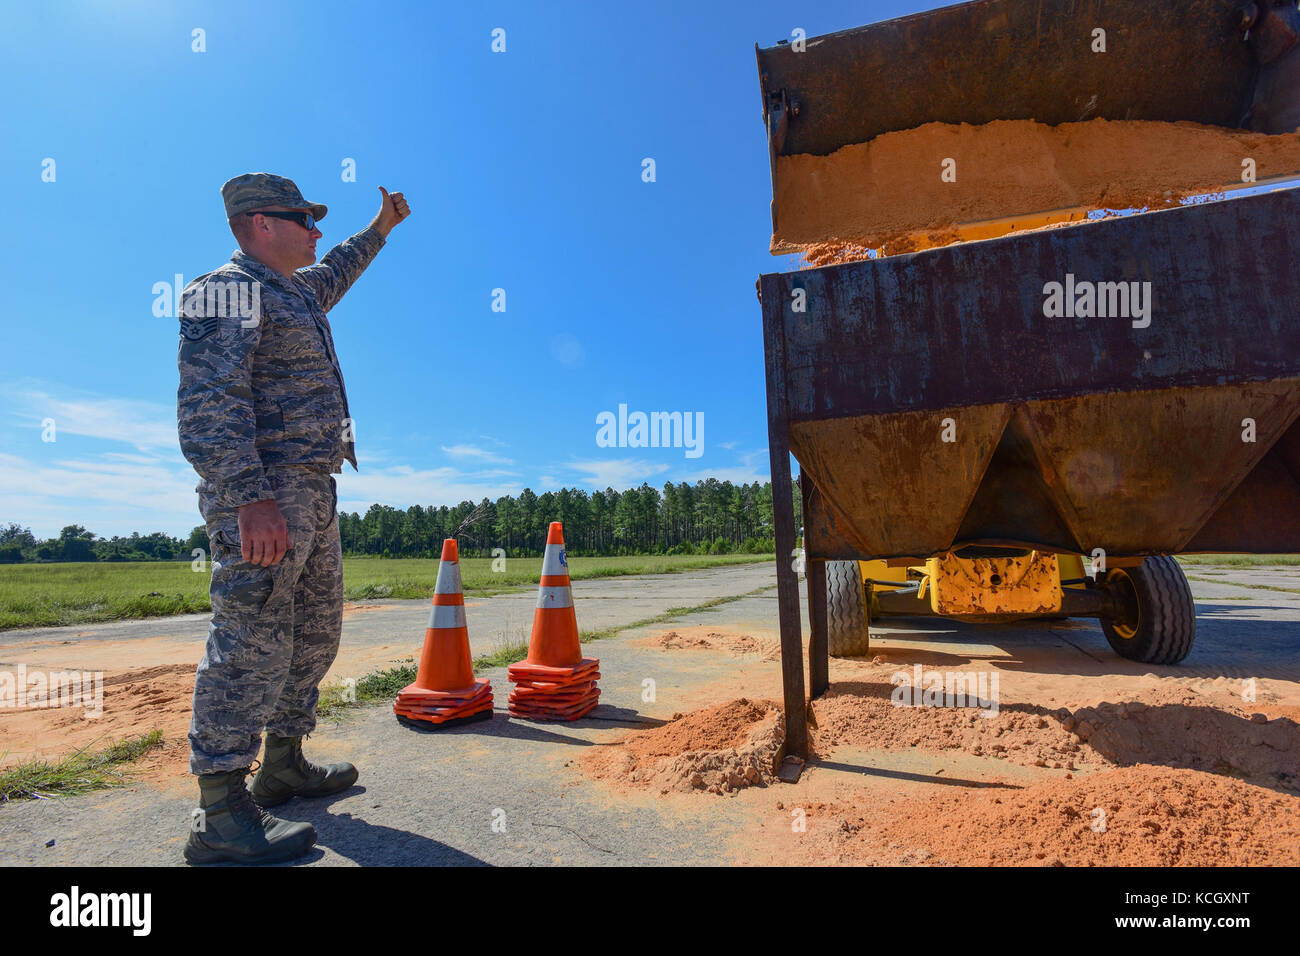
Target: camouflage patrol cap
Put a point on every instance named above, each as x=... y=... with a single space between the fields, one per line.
x=253 y=191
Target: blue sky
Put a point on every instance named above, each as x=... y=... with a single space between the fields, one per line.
x=523 y=171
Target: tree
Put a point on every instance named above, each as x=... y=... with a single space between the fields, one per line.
x=198 y=539
x=15 y=535
x=527 y=516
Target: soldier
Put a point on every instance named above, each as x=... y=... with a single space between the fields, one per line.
x=263 y=418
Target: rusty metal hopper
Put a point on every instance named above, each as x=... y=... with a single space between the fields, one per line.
x=1066 y=434
x=1070 y=433
x=1131 y=384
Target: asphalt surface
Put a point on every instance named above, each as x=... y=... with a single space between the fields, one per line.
x=505 y=792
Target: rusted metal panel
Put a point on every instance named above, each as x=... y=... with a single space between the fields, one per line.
x=1143 y=471
x=1012 y=59
x=965 y=324
x=827 y=535
x=1263 y=512
x=1070 y=433
x=892 y=480
x=1136 y=472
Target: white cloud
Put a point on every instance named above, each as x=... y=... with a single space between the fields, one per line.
x=754 y=466
x=150 y=487
x=403 y=486
x=147 y=426
x=134 y=459
x=112 y=495
x=476 y=453
x=617 y=473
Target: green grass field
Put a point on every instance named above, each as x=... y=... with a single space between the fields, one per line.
x=39 y=595
x=1241 y=560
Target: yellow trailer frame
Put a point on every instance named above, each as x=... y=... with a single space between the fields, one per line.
x=976 y=588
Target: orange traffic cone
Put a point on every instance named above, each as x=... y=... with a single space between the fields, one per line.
x=445 y=691
x=555 y=682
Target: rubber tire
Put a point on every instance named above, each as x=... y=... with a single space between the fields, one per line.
x=1166 y=613
x=846 y=610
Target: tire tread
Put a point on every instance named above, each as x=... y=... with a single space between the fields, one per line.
x=1168 y=614
x=846 y=615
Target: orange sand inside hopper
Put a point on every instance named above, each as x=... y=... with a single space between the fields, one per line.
x=889 y=194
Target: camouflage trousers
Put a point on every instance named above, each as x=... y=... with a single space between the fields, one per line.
x=274 y=631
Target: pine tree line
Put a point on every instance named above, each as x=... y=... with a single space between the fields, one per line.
x=709 y=517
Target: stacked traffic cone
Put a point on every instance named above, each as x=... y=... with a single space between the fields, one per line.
x=445 y=691
x=555 y=682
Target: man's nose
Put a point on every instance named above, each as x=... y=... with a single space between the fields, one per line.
x=316 y=233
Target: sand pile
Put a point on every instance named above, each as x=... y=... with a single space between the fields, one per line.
x=1178 y=728
x=1152 y=816
x=888 y=193
x=135 y=702
x=1171 y=726
x=862 y=714
x=708 y=638
x=718 y=749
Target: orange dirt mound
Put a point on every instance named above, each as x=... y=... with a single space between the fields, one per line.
x=719 y=749
x=135 y=702
x=708 y=638
x=862 y=714
x=1178 y=728
x=1174 y=727
x=1152 y=816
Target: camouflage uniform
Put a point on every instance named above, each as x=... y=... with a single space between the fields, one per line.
x=262 y=413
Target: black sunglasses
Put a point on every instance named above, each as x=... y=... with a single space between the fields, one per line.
x=304 y=219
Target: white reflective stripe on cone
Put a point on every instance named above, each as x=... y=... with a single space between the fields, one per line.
x=448 y=578
x=559 y=596
x=447 y=615
x=555 y=561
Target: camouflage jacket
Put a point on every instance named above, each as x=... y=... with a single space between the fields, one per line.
x=260 y=383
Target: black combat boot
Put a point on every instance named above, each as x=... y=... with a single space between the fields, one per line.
x=235 y=829
x=286 y=773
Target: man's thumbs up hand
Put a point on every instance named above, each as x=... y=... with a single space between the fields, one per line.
x=392 y=210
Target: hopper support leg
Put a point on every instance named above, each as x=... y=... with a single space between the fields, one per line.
x=819 y=655
x=787 y=592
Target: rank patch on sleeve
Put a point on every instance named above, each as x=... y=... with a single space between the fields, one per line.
x=195 y=329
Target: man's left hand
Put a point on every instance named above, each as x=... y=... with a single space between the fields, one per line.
x=392 y=210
